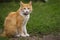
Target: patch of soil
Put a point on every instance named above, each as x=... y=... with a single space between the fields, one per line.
x=27 y=38
x=45 y=37
x=51 y=37
x=37 y=37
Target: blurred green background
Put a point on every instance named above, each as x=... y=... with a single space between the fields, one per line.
x=44 y=19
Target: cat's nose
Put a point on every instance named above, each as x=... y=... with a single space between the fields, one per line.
x=27 y=12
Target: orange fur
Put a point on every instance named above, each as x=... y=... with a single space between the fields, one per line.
x=13 y=22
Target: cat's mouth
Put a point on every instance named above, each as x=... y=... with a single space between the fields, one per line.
x=26 y=13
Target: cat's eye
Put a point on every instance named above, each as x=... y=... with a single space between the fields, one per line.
x=24 y=8
x=28 y=8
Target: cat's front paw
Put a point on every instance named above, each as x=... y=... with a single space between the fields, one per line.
x=27 y=35
x=23 y=35
x=18 y=35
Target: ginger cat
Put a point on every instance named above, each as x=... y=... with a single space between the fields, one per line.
x=15 y=22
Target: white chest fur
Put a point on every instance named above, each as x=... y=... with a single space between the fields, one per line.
x=26 y=18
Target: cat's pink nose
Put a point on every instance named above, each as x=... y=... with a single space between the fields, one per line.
x=27 y=12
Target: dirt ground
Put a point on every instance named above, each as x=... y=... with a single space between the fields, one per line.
x=27 y=38
x=38 y=37
x=44 y=37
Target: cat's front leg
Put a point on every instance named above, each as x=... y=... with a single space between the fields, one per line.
x=20 y=32
x=25 y=31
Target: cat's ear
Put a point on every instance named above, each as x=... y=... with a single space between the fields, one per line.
x=21 y=3
x=30 y=2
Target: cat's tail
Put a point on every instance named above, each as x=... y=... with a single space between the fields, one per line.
x=3 y=34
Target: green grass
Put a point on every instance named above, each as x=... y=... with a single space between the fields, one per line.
x=45 y=17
